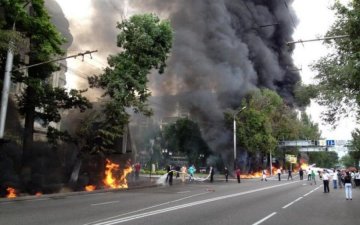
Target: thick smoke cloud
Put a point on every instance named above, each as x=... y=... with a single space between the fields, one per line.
x=222 y=50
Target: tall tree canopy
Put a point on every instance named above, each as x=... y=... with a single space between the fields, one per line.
x=266 y=120
x=184 y=137
x=339 y=72
x=355 y=147
x=145 y=41
x=39 y=101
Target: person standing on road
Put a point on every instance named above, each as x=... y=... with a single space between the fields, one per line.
x=226 y=173
x=183 y=173
x=238 y=174
x=289 y=174
x=264 y=175
x=357 y=178
x=191 y=172
x=309 y=174
x=137 y=170
x=313 y=177
x=326 y=181
x=301 y=173
x=211 y=174
x=279 y=174
x=348 y=186
x=340 y=178
x=171 y=174
x=335 y=179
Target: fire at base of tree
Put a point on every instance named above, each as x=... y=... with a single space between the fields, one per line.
x=52 y=170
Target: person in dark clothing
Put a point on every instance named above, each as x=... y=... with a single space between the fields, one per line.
x=212 y=174
x=238 y=174
x=226 y=172
x=289 y=174
x=301 y=173
x=170 y=175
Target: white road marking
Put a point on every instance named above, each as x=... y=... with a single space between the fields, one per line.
x=292 y=202
x=182 y=192
x=265 y=218
x=111 y=221
x=104 y=203
x=143 y=209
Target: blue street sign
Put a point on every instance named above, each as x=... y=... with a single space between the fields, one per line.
x=330 y=142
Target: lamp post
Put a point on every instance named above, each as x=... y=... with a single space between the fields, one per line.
x=234 y=115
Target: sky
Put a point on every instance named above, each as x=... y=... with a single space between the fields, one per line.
x=315 y=18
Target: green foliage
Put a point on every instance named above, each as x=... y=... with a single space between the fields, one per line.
x=39 y=100
x=324 y=159
x=339 y=72
x=348 y=161
x=145 y=42
x=304 y=93
x=355 y=146
x=266 y=120
x=184 y=137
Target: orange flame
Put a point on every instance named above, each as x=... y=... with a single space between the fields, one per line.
x=252 y=175
x=112 y=169
x=90 y=187
x=11 y=192
x=38 y=194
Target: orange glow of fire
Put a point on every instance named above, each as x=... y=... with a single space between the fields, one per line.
x=304 y=166
x=90 y=188
x=38 y=194
x=252 y=175
x=11 y=192
x=112 y=172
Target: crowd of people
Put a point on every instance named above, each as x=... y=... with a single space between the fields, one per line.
x=338 y=178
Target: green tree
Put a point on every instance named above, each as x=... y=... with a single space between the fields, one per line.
x=348 y=161
x=40 y=101
x=266 y=120
x=324 y=159
x=338 y=73
x=184 y=137
x=145 y=42
x=355 y=147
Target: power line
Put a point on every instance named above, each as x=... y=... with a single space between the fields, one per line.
x=318 y=39
x=58 y=59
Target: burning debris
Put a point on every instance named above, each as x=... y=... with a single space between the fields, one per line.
x=11 y=192
x=90 y=188
x=114 y=177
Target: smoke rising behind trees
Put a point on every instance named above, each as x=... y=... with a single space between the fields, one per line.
x=222 y=50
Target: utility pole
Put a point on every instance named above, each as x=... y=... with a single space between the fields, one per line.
x=7 y=79
x=6 y=86
x=234 y=121
x=318 y=39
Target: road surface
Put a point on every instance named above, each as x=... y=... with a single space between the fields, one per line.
x=251 y=202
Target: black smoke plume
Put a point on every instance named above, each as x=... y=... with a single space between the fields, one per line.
x=222 y=50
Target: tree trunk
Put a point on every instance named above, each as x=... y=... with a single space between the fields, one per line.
x=29 y=124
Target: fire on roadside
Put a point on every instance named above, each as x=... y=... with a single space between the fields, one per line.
x=11 y=192
x=90 y=188
x=38 y=194
x=251 y=175
x=114 y=178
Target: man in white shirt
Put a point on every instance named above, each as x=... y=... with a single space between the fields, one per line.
x=335 y=179
x=326 y=178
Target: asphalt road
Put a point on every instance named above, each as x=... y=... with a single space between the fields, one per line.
x=251 y=202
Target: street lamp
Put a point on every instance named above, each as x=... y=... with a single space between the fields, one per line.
x=234 y=115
